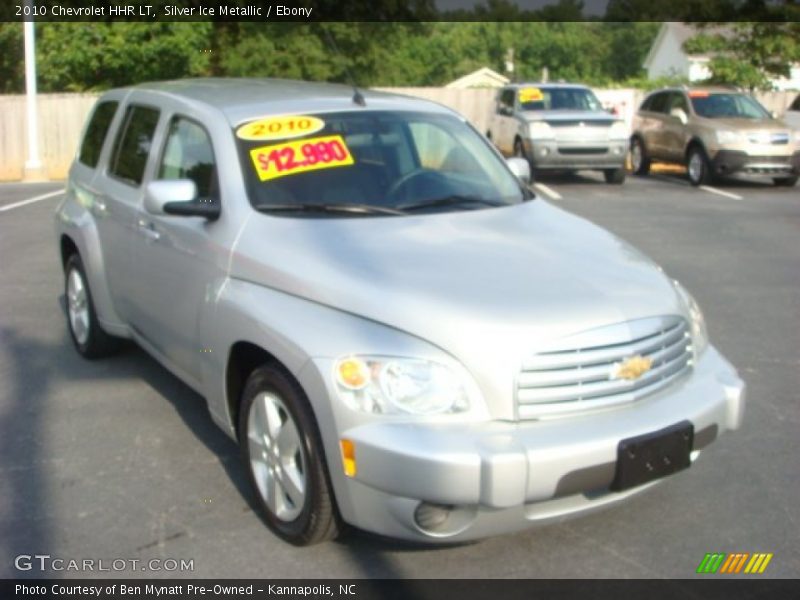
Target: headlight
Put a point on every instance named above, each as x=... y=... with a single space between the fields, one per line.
x=386 y=385
x=698 y=322
x=618 y=131
x=728 y=137
x=539 y=130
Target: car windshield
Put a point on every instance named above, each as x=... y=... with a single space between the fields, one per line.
x=725 y=105
x=542 y=98
x=371 y=163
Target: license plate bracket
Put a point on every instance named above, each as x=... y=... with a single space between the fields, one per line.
x=653 y=455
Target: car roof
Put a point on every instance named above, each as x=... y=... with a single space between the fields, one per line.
x=716 y=89
x=241 y=99
x=548 y=85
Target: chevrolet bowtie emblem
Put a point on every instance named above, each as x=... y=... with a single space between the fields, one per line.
x=631 y=368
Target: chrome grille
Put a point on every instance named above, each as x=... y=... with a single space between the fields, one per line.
x=579 y=373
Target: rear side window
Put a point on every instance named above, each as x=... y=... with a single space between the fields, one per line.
x=796 y=103
x=96 y=132
x=133 y=143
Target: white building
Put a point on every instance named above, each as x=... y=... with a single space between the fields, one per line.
x=482 y=78
x=667 y=58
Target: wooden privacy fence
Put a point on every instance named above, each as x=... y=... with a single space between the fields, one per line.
x=61 y=119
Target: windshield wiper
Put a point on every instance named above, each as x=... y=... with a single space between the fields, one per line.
x=364 y=209
x=450 y=201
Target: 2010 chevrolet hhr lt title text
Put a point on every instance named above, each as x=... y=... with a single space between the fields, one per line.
x=372 y=302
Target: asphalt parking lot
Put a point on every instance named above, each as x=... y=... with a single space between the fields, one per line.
x=118 y=459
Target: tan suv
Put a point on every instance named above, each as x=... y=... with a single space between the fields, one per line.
x=713 y=132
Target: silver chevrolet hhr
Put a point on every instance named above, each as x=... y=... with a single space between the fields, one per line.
x=372 y=302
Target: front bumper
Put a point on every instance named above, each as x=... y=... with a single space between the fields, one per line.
x=728 y=162
x=555 y=154
x=466 y=481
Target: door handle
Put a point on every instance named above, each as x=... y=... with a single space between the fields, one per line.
x=148 y=230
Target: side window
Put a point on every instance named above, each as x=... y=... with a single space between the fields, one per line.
x=92 y=143
x=796 y=104
x=132 y=146
x=188 y=154
x=506 y=104
x=646 y=103
x=678 y=100
x=659 y=102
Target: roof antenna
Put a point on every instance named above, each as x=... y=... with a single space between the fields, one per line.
x=357 y=97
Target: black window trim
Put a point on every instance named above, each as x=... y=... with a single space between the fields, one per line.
x=172 y=118
x=123 y=128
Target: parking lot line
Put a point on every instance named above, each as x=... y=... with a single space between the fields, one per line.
x=547 y=191
x=31 y=200
x=708 y=188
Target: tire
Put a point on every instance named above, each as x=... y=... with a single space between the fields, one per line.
x=291 y=482
x=84 y=328
x=785 y=181
x=698 y=167
x=640 y=161
x=615 y=176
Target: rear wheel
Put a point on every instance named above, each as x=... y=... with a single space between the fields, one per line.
x=785 y=181
x=84 y=328
x=640 y=162
x=698 y=167
x=283 y=453
x=615 y=176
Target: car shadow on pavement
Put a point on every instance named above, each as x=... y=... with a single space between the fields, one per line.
x=37 y=367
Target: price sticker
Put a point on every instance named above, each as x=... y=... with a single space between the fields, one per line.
x=300 y=156
x=530 y=95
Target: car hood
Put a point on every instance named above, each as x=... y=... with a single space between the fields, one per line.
x=749 y=124
x=504 y=279
x=554 y=116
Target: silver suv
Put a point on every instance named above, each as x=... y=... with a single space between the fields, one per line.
x=559 y=127
x=376 y=308
x=714 y=132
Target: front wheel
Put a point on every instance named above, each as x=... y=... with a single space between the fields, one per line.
x=698 y=167
x=640 y=162
x=283 y=453
x=84 y=328
x=519 y=152
x=615 y=176
x=785 y=181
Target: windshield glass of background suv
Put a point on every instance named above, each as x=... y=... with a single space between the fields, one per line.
x=386 y=160
x=722 y=106
x=564 y=99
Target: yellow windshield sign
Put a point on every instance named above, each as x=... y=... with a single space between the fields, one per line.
x=300 y=156
x=530 y=95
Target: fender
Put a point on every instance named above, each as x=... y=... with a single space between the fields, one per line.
x=295 y=331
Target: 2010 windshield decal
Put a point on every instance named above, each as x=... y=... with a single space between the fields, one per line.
x=279 y=128
x=291 y=158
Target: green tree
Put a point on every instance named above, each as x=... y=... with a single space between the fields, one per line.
x=94 y=56
x=12 y=66
x=749 y=54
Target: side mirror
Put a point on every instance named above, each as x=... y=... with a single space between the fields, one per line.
x=773 y=114
x=679 y=114
x=178 y=197
x=520 y=168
